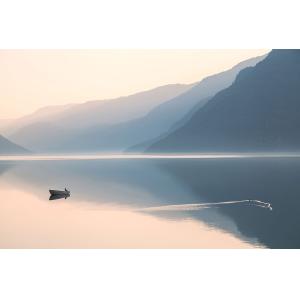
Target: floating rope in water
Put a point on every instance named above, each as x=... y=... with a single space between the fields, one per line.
x=198 y=206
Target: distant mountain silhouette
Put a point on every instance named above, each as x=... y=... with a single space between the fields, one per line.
x=68 y=120
x=127 y=123
x=170 y=114
x=174 y=113
x=158 y=135
x=259 y=112
x=119 y=110
x=9 y=148
x=8 y=127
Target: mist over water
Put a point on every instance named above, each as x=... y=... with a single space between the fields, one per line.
x=112 y=201
x=116 y=156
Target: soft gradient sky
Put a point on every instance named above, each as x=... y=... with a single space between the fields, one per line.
x=31 y=79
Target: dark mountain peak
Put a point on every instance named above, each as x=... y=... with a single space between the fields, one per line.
x=276 y=61
x=281 y=54
x=260 y=111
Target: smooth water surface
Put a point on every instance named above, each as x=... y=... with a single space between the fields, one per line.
x=137 y=202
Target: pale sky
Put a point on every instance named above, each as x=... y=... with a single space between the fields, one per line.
x=31 y=79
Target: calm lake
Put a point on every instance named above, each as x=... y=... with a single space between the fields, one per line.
x=149 y=202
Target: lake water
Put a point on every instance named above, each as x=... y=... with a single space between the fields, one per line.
x=150 y=202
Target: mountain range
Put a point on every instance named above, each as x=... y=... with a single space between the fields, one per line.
x=128 y=123
x=9 y=148
x=176 y=112
x=258 y=112
x=50 y=126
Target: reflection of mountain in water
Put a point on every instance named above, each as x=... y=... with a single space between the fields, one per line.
x=4 y=167
x=271 y=180
x=146 y=183
x=134 y=183
x=137 y=183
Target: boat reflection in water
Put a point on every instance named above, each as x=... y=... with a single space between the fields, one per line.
x=56 y=197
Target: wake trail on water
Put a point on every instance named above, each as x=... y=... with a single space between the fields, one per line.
x=198 y=206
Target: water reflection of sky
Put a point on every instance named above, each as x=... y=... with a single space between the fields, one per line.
x=109 y=186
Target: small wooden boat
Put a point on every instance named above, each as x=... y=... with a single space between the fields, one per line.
x=64 y=193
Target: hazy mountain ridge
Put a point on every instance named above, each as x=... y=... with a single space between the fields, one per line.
x=77 y=117
x=90 y=112
x=41 y=115
x=80 y=128
x=168 y=115
x=121 y=109
x=259 y=112
x=9 y=148
x=174 y=113
x=145 y=144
